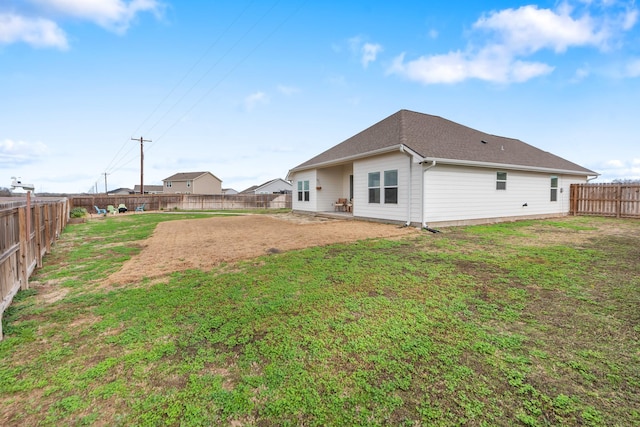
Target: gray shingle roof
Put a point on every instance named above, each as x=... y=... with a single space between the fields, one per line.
x=433 y=137
x=185 y=176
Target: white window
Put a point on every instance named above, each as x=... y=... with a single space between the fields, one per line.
x=501 y=181
x=554 y=188
x=303 y=191
x=391 y=186
x=188 y=183
x=374 y=187
x=168 y=184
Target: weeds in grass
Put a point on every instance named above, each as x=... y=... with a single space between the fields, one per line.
x=440 y=330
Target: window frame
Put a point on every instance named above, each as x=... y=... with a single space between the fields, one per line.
x=303 y=191
x=391 y=188
x=553 y=196
x=373 y=189
x=501 y=182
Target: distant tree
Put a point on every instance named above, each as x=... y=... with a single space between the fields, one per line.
x=626 y=181
x=5 y=192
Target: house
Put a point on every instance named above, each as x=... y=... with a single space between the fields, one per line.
x=121 y=191
x=229 y=191
x=192 y=183
x=420 y=169
x=275 y=186
x=149 y=189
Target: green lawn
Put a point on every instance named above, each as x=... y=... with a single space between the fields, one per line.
x=528 y=323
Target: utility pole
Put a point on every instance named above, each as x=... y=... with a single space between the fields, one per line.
x=142 y=141
x=105 y=182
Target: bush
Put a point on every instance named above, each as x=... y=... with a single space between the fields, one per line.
x=78 y=213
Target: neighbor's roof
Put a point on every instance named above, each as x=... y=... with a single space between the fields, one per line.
x=185 y=176
x=435 y=138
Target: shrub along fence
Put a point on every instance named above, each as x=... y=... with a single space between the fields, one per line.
x=187 y=202
x=612 y=200
x=28 y=228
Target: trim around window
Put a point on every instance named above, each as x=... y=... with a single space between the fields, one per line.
x=501 y=180
x=303 y=191
x=554 y=189
x=374 y=187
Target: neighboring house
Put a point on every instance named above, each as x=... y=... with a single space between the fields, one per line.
x=149 y=189
x=229 y=191
x=120 y=191
x=420 y=169
x=275 y=186
x=192 y=183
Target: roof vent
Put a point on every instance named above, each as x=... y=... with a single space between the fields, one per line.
x=483 y=141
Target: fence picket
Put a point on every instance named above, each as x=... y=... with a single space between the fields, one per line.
x=611 y=200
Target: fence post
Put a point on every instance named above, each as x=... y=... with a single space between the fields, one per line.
x=24 y=248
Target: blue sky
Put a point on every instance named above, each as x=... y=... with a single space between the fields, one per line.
x=248 y=90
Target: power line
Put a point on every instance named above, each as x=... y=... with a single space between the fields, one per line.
x=117 y=164
x=206 y=94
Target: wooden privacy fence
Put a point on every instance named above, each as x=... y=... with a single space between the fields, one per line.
x=28 y=228
x=188 y=202
x=612 y=200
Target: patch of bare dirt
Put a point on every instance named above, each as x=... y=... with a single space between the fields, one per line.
x=205 y=243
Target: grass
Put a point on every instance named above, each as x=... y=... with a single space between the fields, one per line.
x=529 y=323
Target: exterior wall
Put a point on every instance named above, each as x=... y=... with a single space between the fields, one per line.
x=334 y=185
x=458 y=193
x=277 y=186
x=392 y=212
x=312 y=204
x=206 y=184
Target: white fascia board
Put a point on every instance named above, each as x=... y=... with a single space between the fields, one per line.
x=505 y=166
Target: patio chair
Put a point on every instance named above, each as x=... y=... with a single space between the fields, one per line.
x=111 y=209
x=122 y=208
x=100 y=211
x=140 y=208
x=340 y=205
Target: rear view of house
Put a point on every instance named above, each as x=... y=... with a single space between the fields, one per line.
x=192 y=183
x=424 y=170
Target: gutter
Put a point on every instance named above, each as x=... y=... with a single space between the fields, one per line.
x=510 y=166
x=424 y=172
x=409 y=199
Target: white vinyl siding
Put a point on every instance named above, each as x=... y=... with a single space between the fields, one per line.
x=389 y=211
x=457 y=193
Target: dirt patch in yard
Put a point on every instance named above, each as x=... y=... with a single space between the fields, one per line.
x=205 y=243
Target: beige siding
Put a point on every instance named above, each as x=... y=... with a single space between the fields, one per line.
x=206 y=184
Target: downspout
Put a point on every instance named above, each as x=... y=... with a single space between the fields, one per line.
x=402 y=150
x=424 y=172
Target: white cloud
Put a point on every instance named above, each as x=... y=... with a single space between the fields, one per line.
x=369 y=53
x=255 y=99
x=529 y=29
x=288 y=90
x=365 y=51
x=36 y=32
x=21 y=152
x=456 y=67
x=513 y=36
x=618 y=169
x=40 y=25
x=115 y=15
